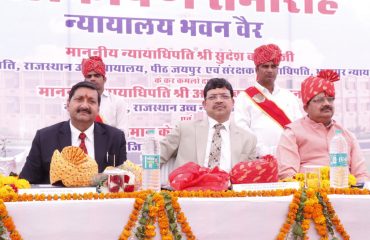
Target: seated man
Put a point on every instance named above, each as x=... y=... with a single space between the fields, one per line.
x=306 y=141
x=215 y=141
x=101 y=142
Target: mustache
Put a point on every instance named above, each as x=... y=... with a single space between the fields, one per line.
x=84 y=110
x=218 y=105
x=326 y=107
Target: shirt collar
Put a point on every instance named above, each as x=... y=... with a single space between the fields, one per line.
x=105 y=93
x=316 y=124
x=265 y=90
x=213 y=122
x=76 y=133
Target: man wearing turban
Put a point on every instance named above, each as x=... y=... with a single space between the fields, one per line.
x=306 y=141
x=265 y=108
x=112 y=108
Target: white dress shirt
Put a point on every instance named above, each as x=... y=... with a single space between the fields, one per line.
x=113 y=111
x=89 y=140
x=225 y=160
x=248 y=116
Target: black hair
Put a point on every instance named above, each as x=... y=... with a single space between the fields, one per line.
x=83 y=84
x=214 y=83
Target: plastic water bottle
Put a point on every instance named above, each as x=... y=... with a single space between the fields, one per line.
x=338 y=151
x=150 y=159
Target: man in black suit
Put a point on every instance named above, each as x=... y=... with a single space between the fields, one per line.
x=105 y=144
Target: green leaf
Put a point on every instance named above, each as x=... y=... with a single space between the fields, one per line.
x=139 y=235
x=171 y=212
x=173 y=226
x=168 y=206
x=297 y=230
x=178 y=237
x=143 y=221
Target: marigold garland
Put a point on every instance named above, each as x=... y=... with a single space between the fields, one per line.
x=8 y=223
x=9 y=186
x=313 y=205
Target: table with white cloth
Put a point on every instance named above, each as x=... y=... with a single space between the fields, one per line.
x=210 y=218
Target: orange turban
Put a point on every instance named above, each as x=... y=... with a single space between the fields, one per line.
x=266 y=53
x=93 y=63
x=312 y=86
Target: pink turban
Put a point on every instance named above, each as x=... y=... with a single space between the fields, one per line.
x=266 y=53
x=312 y=86
x=93 y=63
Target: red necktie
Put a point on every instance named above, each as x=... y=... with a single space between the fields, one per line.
x=82 y=144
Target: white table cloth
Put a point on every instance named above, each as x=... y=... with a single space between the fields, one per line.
x=210 y=218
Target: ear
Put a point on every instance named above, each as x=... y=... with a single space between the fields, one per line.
x=305 y=107
x=67 y=106
x=204 y=103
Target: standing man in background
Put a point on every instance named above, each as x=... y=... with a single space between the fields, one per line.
x=265 y=108
x=112 y=108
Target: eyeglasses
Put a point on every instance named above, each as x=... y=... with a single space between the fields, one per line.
x=214 y=97
x=96 y=75
x=321 y=100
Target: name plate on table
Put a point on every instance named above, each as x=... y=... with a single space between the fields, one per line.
x=265 y=186
x=50 y=189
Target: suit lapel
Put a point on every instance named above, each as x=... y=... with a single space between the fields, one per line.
x=64 y=136
x=100 y=143
x=235 y=144
x=201 y=135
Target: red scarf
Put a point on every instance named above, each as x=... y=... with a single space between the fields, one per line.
x=268 y=106
x=99 y=119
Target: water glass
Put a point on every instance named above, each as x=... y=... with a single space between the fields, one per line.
x=312 y=176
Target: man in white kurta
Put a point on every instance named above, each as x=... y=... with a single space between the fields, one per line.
x=113 y=110
x=250 y=116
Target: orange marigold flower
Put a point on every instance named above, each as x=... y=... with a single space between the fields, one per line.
x=149 y=233
x=8 y=223
x=181 y=217
x=153 y=211
x=15 y=235
x=185 y=228
x=126 y=233
x=150 y=227
x=164 y=231
x=167 y=237
x=133 y=217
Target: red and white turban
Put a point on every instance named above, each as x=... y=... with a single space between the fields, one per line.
x=312 y=86
x=267 y=53
x=93 y=63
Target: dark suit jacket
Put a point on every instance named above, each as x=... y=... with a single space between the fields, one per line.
x=107 y=139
